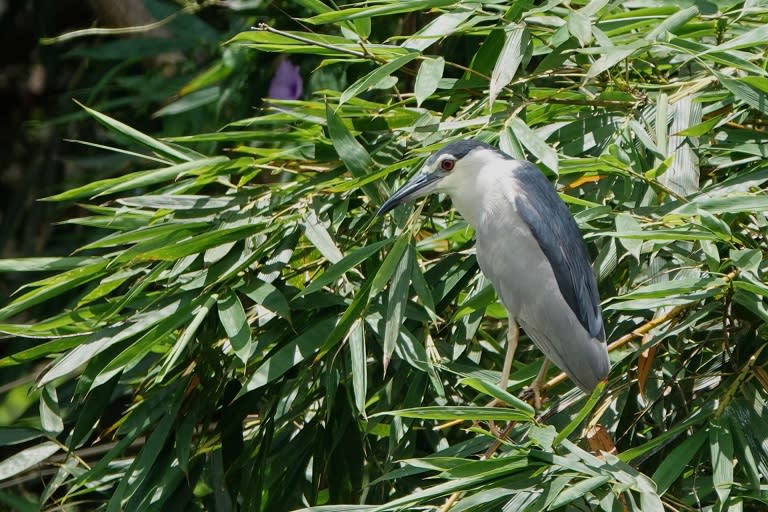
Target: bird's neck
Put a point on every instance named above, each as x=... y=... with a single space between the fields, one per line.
x=479 y=199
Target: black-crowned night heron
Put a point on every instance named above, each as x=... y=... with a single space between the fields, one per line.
x=530 y=248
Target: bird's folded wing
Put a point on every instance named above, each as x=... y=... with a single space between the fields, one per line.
x=560 y=240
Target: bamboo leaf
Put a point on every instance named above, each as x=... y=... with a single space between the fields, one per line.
x=291 y=354
x=352 y=259
x=446 y=413
x=535 y=144
x=165 y=150
x=509 y=60
x=396 y=301
x=232 y=317
x=25 y=459
x=498 y=393
x=359 y=364
x=372 y=11
x=428 y=78
x=374 y=77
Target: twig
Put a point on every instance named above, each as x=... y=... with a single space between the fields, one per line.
x=588 y=103
x=362 y=55
x=118 y=31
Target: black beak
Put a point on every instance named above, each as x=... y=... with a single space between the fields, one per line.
x=421 y=185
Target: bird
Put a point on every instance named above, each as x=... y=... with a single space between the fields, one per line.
x=530 y=248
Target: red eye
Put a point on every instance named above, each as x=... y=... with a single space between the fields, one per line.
x=447 y=164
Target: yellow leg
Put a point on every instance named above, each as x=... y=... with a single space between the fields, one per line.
x=512 y=336
x=538 y=383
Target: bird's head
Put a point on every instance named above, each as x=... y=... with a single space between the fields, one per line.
x=448 y=167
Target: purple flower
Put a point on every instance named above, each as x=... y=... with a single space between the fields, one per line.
x=286 y=83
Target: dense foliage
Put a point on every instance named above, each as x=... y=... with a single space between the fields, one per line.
x=240 y=331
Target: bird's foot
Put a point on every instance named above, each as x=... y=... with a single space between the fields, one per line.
x=534 y=395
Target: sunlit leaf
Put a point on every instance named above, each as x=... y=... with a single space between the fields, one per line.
x=428 y=78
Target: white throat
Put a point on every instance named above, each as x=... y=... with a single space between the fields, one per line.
x=475 y=186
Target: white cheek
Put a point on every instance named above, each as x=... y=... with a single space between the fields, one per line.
x=455 y=181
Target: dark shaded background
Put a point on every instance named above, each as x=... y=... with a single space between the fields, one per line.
x=127 y=77
x=34 y=81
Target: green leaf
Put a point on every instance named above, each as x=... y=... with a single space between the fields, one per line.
x=312 y=44
x=191 y=245
x=165 y=150
x=583 y=412
x=446 y=413
x=580 y=27
x=352 y=259
x=141 y=466
x=716 y=225
x=744 y=91
x=109 y=336
x=367 y=82
x=352 y=153
x=534 y=144
x=612 y=55
x=750 y=39
x=191 y=101
x=268 y=296
x=347 y=320
x=579 y=489
x=359 y=364
x=291 y=354
x=442 y=26
x=676 y=462
x=50 y=413
x=721 y=451
x=674 y=287
x=499 y=394
x=732 y=203
x=54 y=286
x=314 y=5
x=376 y=10
x=145 y=234
x=232 y=317
x=390 y=263
x=701 y=128
x=510 y=58
x=396 y=302
x=672 y=23
x=27 y=458
x=181 y=202
x=684 y=233
x=137 y=180
x=316 y=232
x=15 y=435
x=186 y=337
x=421 y=288
x=56 y=346
x=747 y=259
x=428 y=78
x=45 y=264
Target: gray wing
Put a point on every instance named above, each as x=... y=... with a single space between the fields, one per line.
x=559 y=237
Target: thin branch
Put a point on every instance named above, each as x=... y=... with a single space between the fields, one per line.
x=119 y=31
x=361 y=55
x=588 y=103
